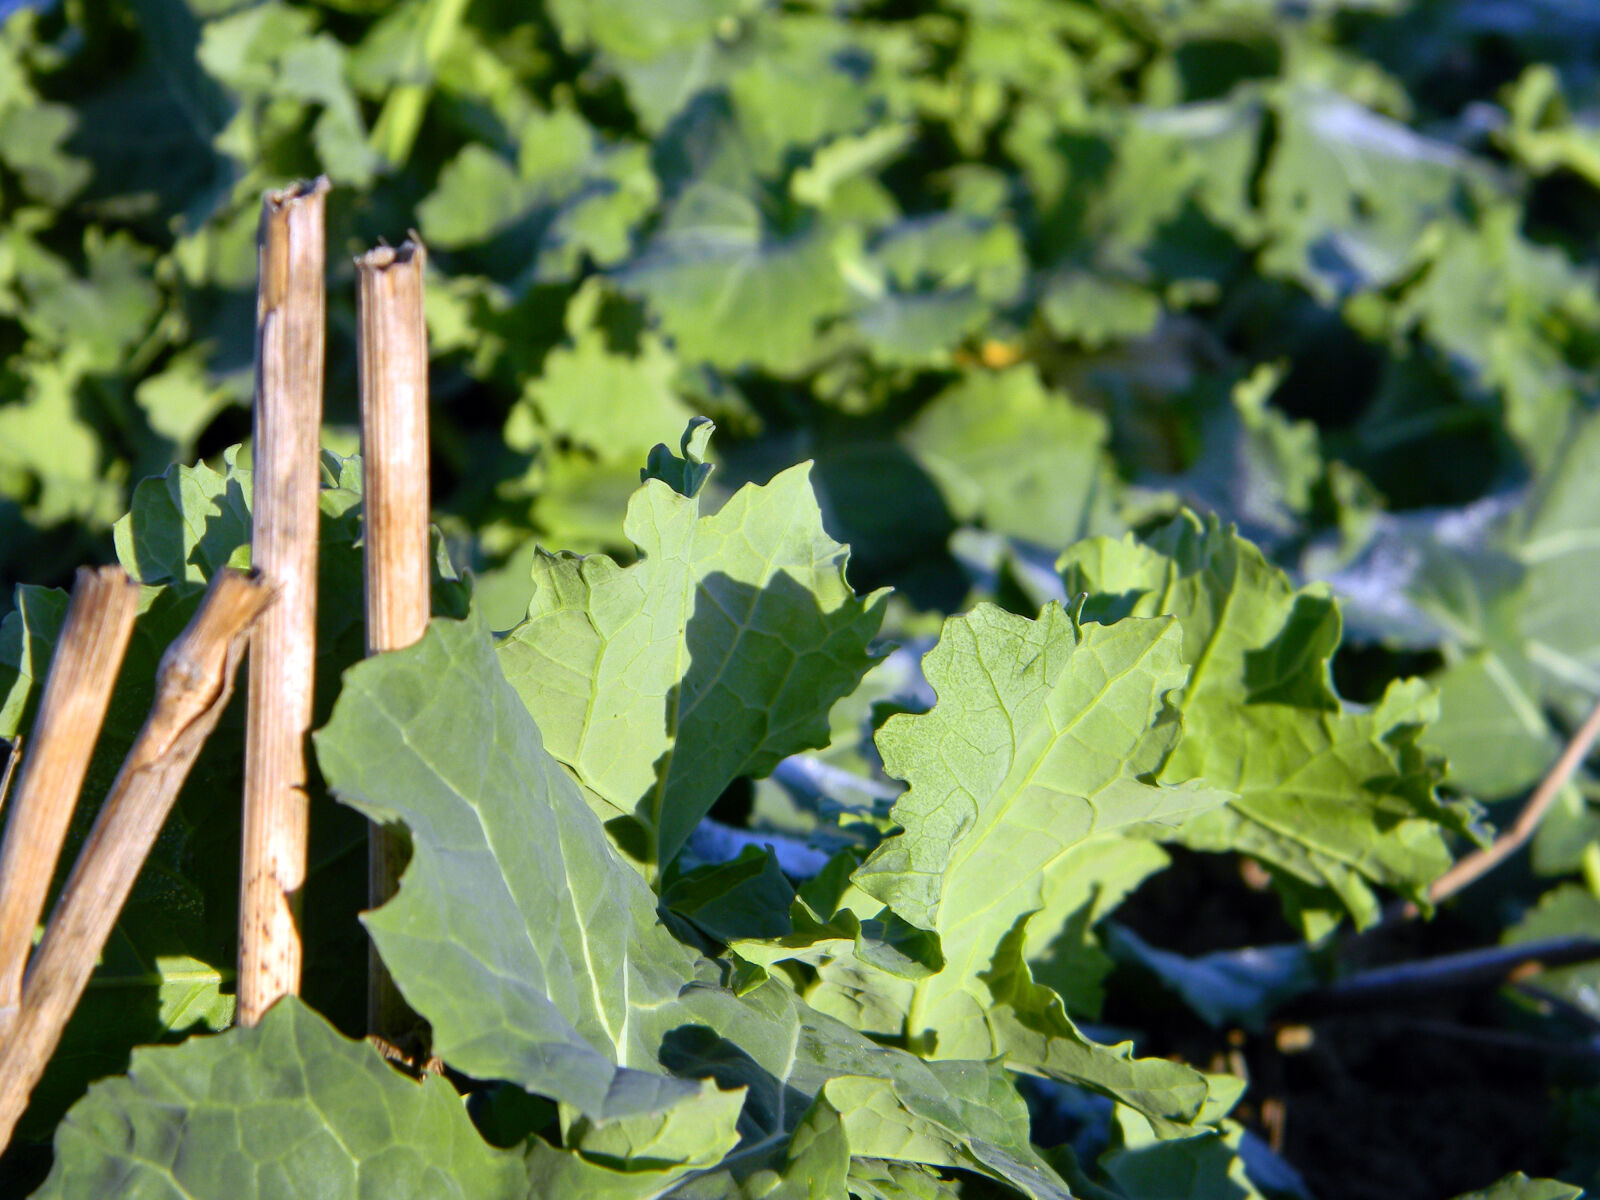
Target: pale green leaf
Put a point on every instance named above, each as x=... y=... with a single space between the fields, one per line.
x=891 y=1104
x=1023 y=460
x=731 y=292
x=732 y=636
x=664 y=55
x=1348 y=193
x=185 y=525
x=181 y=401
x=1041 y=733
x=818 y=1161
x=1340 y=800
x=571 y=194
x=1034 y=750
x=1518 y=1186
x=530 y=948
x=639 y=1156
x=51 y=455
x=615 y=404
x=287 y=1108
x=1029 y=1021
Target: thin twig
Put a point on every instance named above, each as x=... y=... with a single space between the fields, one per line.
x=393 y=358
x=1483 y=860
x=13 y=757
x=77 y=691
x=289 y=369
x=193 y=684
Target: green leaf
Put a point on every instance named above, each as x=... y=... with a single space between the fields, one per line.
x=1034 y=749
x=479 y=195
x=184 y=526
x=133 y=998
x=288 y=1108
x=615 y=405
x=920 y=329
x=535 y=951
x=1443 y=580
x=27 y=639
x=1508 y=311
x=1205 y=1167
x=1518 y=1186
x=1554 y=536
x=745 y=898
x=530 y=948
x=1255 y=464
x=181 y=401
x=663 y=55
x=639 y=1156
x=950 y=251
x=1024 y=461
x=1093 y=309
x=1568 y=910
x=818 y=1161
x=892 y=1104
x=733 y=636
x=1348 y=193
x=731 y=292
x=313 y=71
x=1030 y=1022
x=1543 y=134
x=976 y=1120
x=1042 y=732
x=287 y=76
x=32 y=135
x=571 y=195
x=51 y=456
x=1336 y=799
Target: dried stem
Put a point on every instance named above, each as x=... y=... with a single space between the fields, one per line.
x=1481 y=861
x=77 y=692
x=193 y=683
x=13 y=756
x=288 y=417
x=394 y=449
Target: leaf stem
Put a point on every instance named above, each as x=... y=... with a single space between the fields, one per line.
x=395 y=130
x=1485 y=859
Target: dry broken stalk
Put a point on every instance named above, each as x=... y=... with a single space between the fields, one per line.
x=83 y=672
x=394 y=452
x=288 y=417
x=193 y=683
x=12 y=756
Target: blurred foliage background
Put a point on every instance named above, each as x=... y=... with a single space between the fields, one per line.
x=1013 y=272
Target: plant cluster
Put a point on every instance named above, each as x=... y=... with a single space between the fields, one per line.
x=713 y=890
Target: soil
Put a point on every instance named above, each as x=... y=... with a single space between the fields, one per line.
x=1415 y=1100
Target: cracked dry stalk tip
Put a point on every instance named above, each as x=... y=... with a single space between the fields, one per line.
x=393 y=359
x=290 y=337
